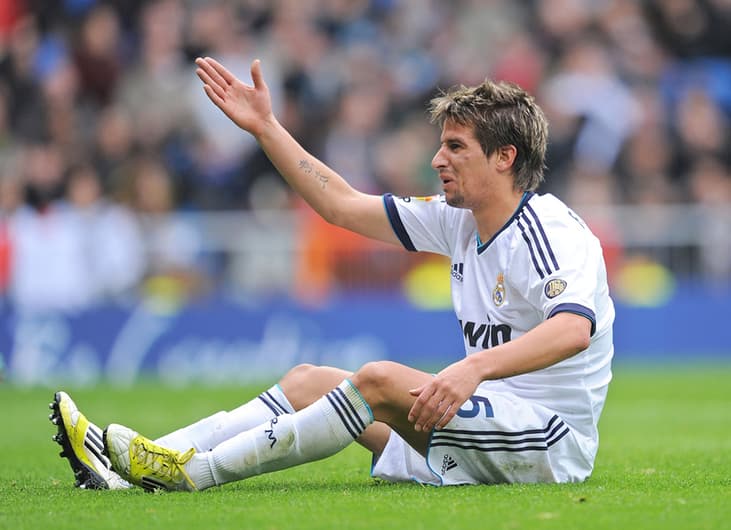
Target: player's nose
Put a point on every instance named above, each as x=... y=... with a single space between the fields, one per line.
x=439 y=161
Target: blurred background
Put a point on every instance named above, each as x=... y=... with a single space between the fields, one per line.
x=143 y=234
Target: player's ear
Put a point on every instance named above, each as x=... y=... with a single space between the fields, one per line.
x=506 y=156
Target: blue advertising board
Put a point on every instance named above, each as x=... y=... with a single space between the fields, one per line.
x=220 y=340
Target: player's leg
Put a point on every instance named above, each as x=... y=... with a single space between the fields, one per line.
x=319 y=430
x=306 y=383
x=300 y=387
x=208 y=432
x=385 y=386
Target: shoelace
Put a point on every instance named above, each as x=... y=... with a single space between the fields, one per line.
x=165 y=464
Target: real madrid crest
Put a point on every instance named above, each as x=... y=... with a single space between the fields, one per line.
x=498 y=293
x=554 y=287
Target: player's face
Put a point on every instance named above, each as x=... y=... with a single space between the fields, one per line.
x=462 y=166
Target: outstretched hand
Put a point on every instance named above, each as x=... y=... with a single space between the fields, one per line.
x=439 y=400
x=249 y=107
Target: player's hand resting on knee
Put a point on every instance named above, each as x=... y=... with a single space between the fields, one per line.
x=439 y=400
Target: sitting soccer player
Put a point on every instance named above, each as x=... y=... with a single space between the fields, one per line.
x=529 y=289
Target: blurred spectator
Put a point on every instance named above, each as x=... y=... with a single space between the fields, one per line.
x=113 y=146
x=112 y=237
x=691 y=28
x=10 y=12
x=174 y=261
x=350 y=146
x=98 y=54
x=522 y=63
x=646 y=164
x=402 y=159
x=59 y=83
x=710 y=184
x=153 y=89
x=637 y=57
x=593 y=192
x=50 y=266
x=72 y=251
x=224 y=151
x=702 y=127
x=588 y=92
x=25 y=102
x=11 y=198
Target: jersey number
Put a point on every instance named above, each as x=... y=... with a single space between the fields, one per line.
x=475 y=410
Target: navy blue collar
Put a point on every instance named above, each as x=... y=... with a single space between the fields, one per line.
x=523 y=200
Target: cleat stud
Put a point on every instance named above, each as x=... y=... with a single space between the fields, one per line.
x=62 y=454
x=50 y=406
x=54 y=420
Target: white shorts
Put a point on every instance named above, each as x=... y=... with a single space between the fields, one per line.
x=496 y=438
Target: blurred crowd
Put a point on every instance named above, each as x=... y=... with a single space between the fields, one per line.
x=104 y=127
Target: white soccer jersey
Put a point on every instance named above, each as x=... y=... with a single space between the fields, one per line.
x=542 y=262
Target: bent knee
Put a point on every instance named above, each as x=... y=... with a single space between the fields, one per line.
x=374 y=378
x=296 y=384
x=305 y=383
x=299 y=374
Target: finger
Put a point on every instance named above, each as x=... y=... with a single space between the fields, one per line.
x=425 y=417
x=214 y=75
x=207 y=67
x=213 y=97
x=417 y=391
x=256 y=75
x=208 y=82
x=416 y=408
x=434 y=419
x=221 y=70
x=414 y=411
x=446 y=417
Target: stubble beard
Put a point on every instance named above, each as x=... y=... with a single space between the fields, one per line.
x=456 y=200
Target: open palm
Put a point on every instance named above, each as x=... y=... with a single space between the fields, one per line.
x=247 y=106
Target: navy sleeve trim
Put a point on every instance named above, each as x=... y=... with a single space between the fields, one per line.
x=576 y=309
x=395 y=220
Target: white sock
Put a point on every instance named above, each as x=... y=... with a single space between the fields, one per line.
x=207 y=433
x=328 y=425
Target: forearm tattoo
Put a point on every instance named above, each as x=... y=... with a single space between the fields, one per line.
x=308 y=168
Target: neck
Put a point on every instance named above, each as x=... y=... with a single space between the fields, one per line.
x=493 y=216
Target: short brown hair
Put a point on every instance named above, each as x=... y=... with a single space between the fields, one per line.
x=501 y=114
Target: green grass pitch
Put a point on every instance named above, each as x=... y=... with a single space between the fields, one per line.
x=664 y=462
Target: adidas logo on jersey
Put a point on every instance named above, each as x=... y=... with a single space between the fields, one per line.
x=448 y=463
x=457 y=271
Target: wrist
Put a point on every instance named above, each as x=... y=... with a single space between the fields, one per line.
x=268 y=128
x=478 y=364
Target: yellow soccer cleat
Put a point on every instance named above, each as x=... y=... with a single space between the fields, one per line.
x=82 y=445
x=141 y=461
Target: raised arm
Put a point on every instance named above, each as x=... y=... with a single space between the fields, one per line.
x=325 y=191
